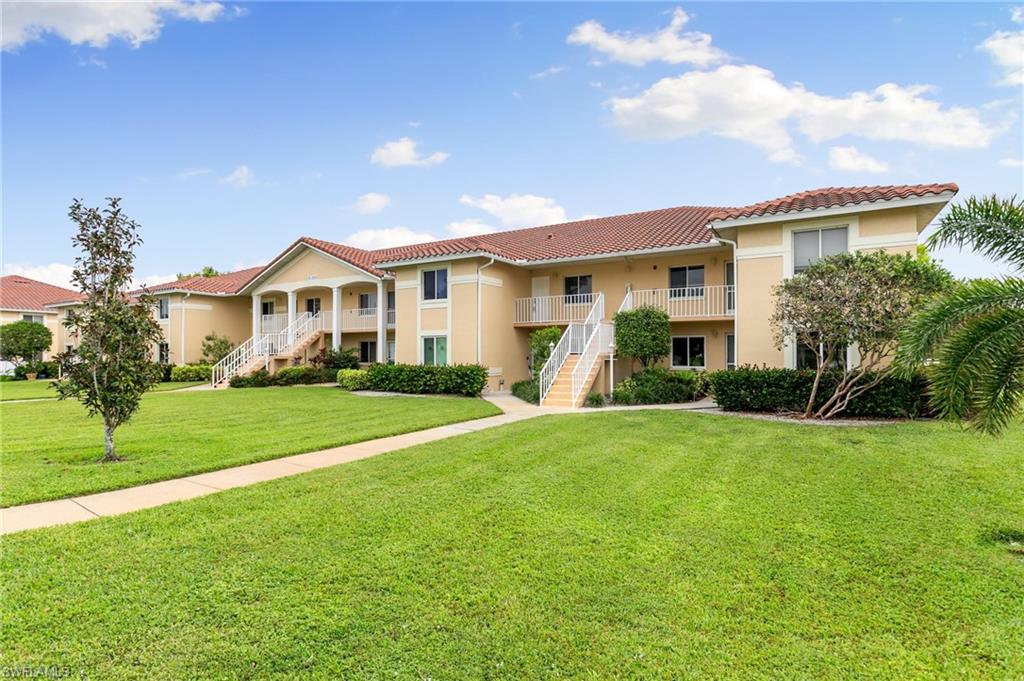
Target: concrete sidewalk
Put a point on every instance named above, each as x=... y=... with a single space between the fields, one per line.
x=116 y=502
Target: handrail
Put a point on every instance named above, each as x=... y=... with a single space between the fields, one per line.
x=688 y=301
x=264 y=345
x=591 y=349
x=553 y=309
x=572 y=341
x=235 y=360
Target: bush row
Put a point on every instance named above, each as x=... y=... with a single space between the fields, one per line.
x=459 y=379
x=527 y=391
x=300 y=375
x=657 y=385
x=39 y=368
x=191 y=372
x=780 y=390
x=353 y=379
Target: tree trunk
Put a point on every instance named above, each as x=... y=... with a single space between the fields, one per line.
x=109 y=452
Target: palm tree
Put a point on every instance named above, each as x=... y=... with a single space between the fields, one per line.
x=972 y=339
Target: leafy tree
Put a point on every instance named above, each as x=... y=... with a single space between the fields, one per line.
x=643 y=333
x=541 y=341
x=853 y=299
x=23 y=341
x=972 y=339
x=207 y=272
x=113 y=365
x=215 y=348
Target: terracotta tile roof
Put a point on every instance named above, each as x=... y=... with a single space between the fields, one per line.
x=665 y=228
x=229 y=282
x=362 y=259
x=21 y=293
x=832 y=197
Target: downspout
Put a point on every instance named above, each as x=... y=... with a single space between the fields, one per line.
x=183 y=326
x=736 y=296
x=479 y=313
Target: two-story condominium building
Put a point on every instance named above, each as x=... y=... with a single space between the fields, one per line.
x=477 y=299
x=24 y=299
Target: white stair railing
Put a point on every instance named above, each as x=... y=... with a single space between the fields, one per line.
x=591 y=349
x=573 y=341
x=236 y=360
x=266 y=345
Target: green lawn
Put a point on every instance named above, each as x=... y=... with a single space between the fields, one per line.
x=628 y=544
x=39 y=390
x=50 y=449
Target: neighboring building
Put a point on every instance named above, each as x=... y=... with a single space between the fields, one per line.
x=22 y=298
x=477 y=299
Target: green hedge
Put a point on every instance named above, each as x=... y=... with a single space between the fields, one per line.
x=780 y=390
x=527 y=391
x=353 y=379
x=299 y=375
x=38 y=367
x=191 y=372
x=659 y=386
x=460 y=379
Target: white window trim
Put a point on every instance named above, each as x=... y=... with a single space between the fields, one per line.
x=734 y=363
x=164 y=300
x=434 y=302
x=684 y=366
x=448 y=350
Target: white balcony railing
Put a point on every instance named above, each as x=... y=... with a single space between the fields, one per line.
x=364 y=319
x=554 y=309
x=693 y=302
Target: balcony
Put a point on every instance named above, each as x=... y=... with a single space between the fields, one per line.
x=693 y=302
x=543 y=310
x=363 y=319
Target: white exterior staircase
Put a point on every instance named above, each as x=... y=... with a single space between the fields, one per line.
x=572 y=367
x=257 y=351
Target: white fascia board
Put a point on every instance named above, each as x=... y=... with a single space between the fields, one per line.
x=444 y=258
x=623 y=254
x=944 y=197
x=286 y=257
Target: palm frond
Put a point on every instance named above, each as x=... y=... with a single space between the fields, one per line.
x=989 y=225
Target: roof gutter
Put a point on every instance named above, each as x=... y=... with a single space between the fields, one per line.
x=787 y=216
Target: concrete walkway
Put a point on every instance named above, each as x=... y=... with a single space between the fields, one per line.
x=116 y=502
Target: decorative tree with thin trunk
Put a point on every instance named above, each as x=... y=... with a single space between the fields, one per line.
x=971 y=341
x=852 y=300
x=113 y=366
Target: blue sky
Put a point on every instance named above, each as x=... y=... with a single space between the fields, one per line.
x=230 y=129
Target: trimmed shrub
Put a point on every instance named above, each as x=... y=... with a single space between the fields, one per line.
x=460 y=379
x=781 y=390
x=334 y=360
x=527 y=391
x=260 y=378
x=191 y=372
x=657 y=386
x=293 y=375
x=643 y=333
x=595 y=400
x=352 y=379
x=540 y=345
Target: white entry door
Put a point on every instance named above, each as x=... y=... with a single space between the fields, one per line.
x=540 y=288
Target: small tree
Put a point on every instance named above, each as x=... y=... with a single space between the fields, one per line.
x=541 y=341
x=643 y=333
x=215 y=348
x=206 y=273
x=22 y=341
x=853 y=299
x=113 y=364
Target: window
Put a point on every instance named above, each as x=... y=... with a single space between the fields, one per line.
x=367 y=303
x=686 y=282
x=163 y=351
x=37 y=318
x=391 y=300
x=367 y=351
x=688 y=352
x=730 y=284
x=267 y=307
x=435 y=284
x=435 y=350
x=391 y=352
x=730 y=351
x=811 y=246
x=313 y=306
x=807 y=359
x=165 y=308
x=581 y=286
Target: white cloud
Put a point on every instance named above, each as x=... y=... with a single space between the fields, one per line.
x=402 y=152
x=1017 y=14
x=414 y=124
x=518 y=210
x=56 y=273
x=854 y=161
x=387 y=238
x=372 y=203
x=97 y=23
x=189 y=173
x=1006 y=48
x=92 y=60
x=1011 y=162
x=748 y=104
x=549 y=71
x=470 y=227
x=668 y=45
x=240 y=177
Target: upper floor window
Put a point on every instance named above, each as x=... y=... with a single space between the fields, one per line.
x=686 y=281
x=391 y=300
x=165 y=308
x=164 y=353
x=313 y=306
x=581 y=286
x=367 y=303
x=267 y=307
x=37 y=318
x=435 y=284
x=811 y=246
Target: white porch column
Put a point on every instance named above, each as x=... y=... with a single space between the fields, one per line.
x=382 y=322
x=293 y=298
x=336 y=317
x=257 y=314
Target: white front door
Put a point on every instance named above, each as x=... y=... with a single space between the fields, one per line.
x=540 y=288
